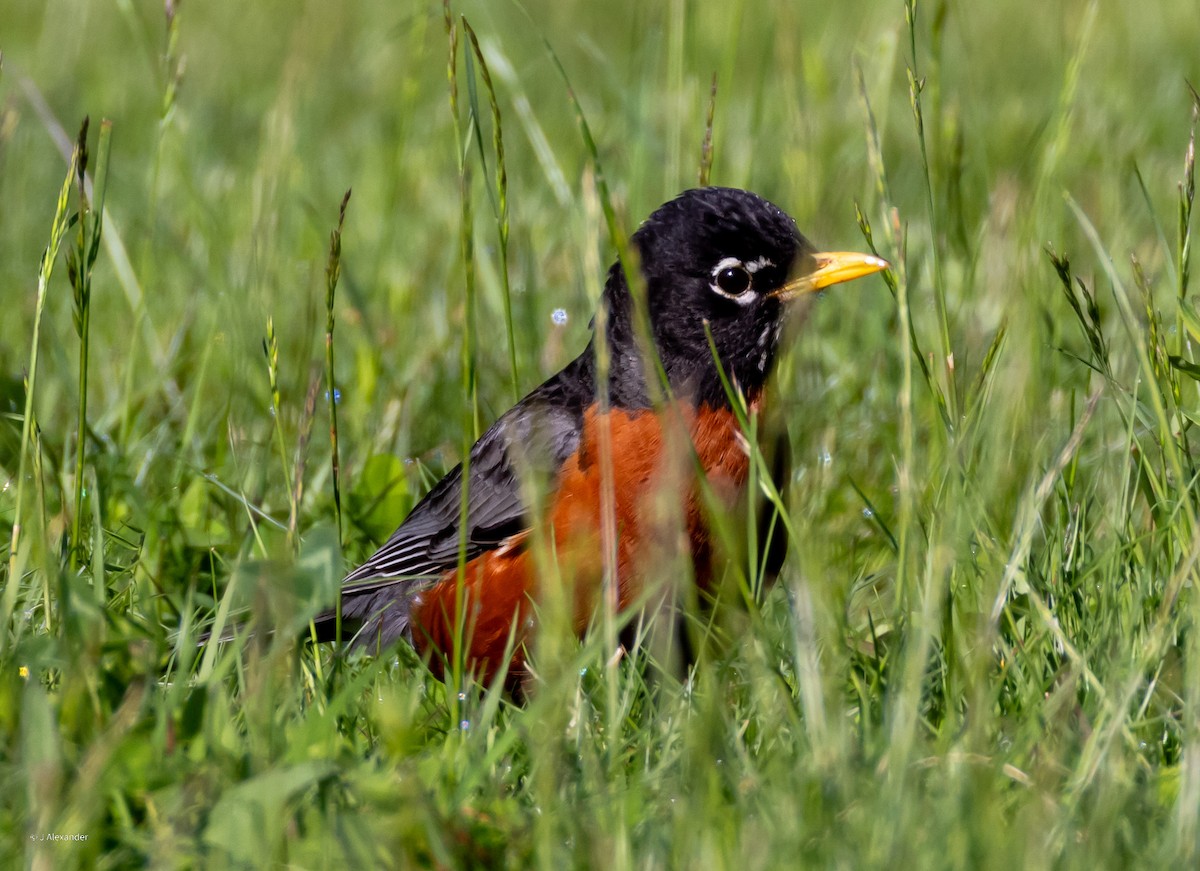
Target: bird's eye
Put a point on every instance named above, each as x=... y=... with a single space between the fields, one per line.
x=731 y=279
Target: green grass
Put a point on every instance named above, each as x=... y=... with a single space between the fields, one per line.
x=983 y=650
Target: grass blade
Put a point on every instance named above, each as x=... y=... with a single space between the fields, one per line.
x=59 y=226
x=500 y=198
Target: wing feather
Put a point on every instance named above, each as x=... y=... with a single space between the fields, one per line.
x=525 y=447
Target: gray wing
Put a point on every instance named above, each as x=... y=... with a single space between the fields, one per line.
x=526 y=446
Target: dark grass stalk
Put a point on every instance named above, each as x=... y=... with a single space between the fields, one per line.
x=80 y=263
x=307 y=418
x=53 y=569
x=1187 y=198
x=1165 y=378
x=1087 y=313
x=59 y=226
x=1185 y=817
x=466 y=242
x=79 y=276
x=706 y=145
x=893 y=239
x=296 y=496
x=333 y=271
x=1168 y=368
x=500 y=198
x=916 y=86
x=271 y=352
x=98 y=567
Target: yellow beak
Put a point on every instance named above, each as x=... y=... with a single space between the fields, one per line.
x=833 y=267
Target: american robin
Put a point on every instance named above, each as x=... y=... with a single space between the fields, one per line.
x=716 y=262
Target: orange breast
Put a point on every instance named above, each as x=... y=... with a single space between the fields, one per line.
x=656 y=508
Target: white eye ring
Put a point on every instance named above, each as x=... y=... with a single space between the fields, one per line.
x=742 y=297
x=750 y=267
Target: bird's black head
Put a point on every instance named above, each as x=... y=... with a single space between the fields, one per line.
x=726 y=258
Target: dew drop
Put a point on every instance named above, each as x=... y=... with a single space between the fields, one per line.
x=559 y=316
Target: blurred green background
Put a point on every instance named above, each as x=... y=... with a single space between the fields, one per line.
x=880 y=710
